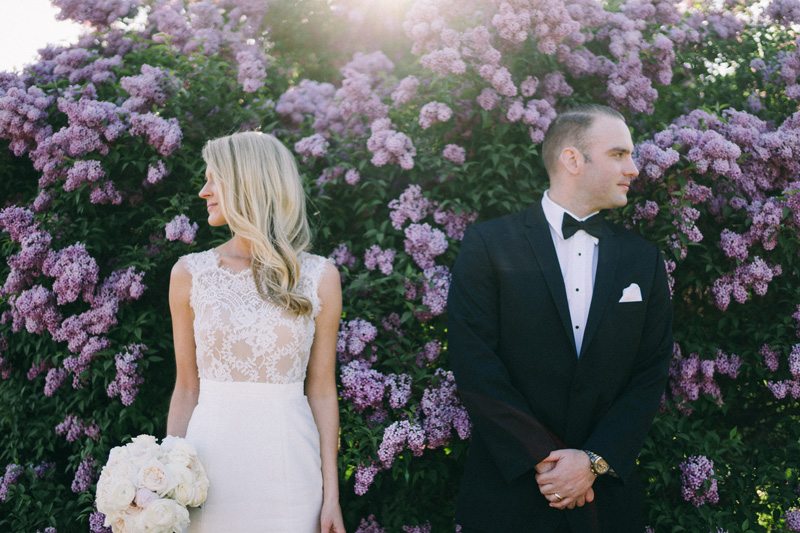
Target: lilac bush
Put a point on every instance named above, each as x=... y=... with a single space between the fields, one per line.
x=407 y=129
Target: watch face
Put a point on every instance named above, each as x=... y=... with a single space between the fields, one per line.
x=601 y=466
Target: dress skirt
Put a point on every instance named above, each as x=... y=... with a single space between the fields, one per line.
x=260 y=447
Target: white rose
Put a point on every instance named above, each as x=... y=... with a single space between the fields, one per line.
x=182 y=478
x=184 y=494
x=143 y=448
x=178 y=450
x=144 y=440
x=144 y=496
x=127 y=522
x=154 y=476
x=118 y=455
x=114 y=493
x=200 y=485
x=164 y=515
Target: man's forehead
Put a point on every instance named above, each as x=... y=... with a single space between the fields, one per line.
x=609 y=133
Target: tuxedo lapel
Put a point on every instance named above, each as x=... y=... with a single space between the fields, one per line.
x=537 y=232
x=603 y=283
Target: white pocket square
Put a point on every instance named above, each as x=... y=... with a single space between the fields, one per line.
x=631 y=293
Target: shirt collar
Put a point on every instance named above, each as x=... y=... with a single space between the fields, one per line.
x=554 y=214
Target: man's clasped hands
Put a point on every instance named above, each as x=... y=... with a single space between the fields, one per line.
x=565 y=479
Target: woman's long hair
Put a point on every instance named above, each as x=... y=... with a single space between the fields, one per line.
x=263 y=202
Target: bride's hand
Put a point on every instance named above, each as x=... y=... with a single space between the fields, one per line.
x=330 y=518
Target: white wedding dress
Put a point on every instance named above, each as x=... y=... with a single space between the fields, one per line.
x=252 y=427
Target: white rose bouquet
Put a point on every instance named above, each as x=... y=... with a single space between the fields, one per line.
x=145 y=486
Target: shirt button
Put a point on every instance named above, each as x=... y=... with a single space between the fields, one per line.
x=579 y=253
x=577 y=327
x=577 y=290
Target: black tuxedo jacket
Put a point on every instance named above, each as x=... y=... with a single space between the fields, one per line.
x=512 y=351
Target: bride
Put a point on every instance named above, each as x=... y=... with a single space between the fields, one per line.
x=255 y=323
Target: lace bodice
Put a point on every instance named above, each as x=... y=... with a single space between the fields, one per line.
x=241 y=337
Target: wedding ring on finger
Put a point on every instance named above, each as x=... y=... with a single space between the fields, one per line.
x=558 y=496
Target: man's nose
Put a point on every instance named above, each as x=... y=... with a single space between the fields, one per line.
x=632 y=169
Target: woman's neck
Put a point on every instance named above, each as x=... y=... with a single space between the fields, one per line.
x=237 y=247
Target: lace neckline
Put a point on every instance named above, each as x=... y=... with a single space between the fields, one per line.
x=218 y=265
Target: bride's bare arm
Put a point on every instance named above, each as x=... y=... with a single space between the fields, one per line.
x=322 y=396
x=187 y=384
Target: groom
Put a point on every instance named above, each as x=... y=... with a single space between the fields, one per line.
x=559 y=334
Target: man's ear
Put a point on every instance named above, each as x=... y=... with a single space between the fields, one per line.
x=572 y=159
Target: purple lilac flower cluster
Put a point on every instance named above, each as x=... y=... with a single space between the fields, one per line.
x=23 y=118
x=156 y=172
x=443 y=412
x=397 y=437
x=342 y=256
x=364 y=477
x=99 y=12
x=181 y=229
x=312 y=146
x=429 y=354
x=92 y=124
x=699 y=484
x=433 y=113
x=36 y=369
x=35 y=309
x=53 y=380
x=354 y=336
x=202 y=27
x=399 y=389
x=383 y=260
x=689 y=377
x=154 y=86
x=352 y=177
x=783 y=388
x=411 y=205
x=455 y=154
x=390 y=146
x=348 y=109
x=127 y=381
x=11 y=476
x=405 y=91
x=424 y=243
x=792 y=517
x=369 y=525
x=73 y=428
x=629 y=69
x=307 y=99
x=455 y=224
x=164 y=135
x=96 y=521
x=362 y=385
x=85 y=475
x=75 y=273
x=754 y=276
x=435 y=285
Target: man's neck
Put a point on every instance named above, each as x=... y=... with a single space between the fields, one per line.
x=569 y=203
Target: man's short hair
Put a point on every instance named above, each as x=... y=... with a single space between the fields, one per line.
x=570 y=128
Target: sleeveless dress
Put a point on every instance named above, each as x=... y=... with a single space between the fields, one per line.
x=252 y=427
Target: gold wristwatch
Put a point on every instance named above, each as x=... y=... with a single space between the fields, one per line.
x=598 y=465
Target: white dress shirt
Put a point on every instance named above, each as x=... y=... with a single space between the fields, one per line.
x=577 y=257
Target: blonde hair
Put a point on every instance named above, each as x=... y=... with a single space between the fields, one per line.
x=263 y=201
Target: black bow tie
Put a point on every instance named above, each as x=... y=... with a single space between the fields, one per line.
x=592 y=225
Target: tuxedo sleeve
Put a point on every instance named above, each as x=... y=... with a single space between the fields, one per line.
x=619 y=435
x=498 y=411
